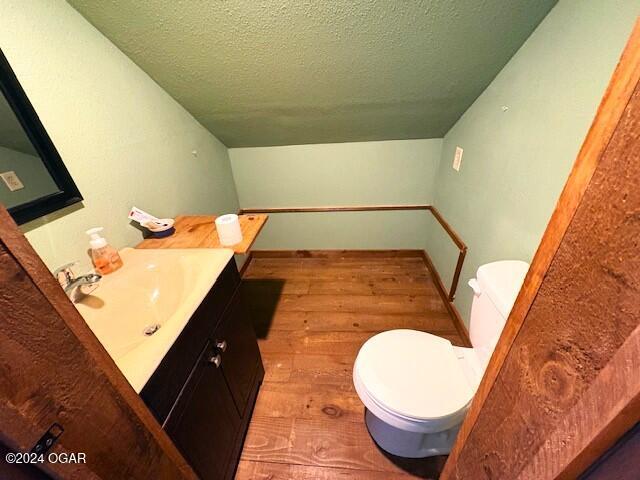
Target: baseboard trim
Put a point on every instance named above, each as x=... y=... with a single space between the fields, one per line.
x=453 y=311
x=336 y=253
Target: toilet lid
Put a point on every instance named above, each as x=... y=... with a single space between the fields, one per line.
x=414 y=374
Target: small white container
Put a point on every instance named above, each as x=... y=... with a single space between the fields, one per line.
x=228 y=227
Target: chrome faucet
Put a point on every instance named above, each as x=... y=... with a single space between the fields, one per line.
x=76 y=287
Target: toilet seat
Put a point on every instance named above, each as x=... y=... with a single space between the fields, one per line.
x=413 y=379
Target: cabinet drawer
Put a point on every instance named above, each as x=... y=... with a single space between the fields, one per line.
x=204 y=422
x=162 y=389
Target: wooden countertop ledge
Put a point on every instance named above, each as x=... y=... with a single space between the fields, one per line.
x=199 y=231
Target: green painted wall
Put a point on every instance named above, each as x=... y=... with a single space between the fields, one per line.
x=515 y=163
x=365 y=173
x=124 y=139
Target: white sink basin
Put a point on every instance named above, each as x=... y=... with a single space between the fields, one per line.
x=154 y=290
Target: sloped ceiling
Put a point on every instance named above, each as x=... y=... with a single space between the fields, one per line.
x=280 y=72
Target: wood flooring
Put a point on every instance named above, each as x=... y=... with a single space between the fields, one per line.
x=311 y=316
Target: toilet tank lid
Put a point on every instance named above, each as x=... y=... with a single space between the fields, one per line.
x=501 y=281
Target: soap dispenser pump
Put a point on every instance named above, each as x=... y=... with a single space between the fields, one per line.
x=105 y=258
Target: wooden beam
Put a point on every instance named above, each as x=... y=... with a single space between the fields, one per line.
x=589 y=238
x=607 y=410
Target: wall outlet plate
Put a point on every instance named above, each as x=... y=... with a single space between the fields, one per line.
x=457 y=159
x=11 y=180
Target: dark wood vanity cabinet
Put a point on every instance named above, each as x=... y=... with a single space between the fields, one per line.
x=204 y=422
x=204 y=389
x=237 y=341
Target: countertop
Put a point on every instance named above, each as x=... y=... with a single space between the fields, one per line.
x=160 y=288
x=199 y=231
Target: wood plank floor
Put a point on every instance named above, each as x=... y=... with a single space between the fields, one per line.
x=311 y=316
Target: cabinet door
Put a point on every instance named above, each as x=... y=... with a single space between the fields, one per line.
x=162 y=390
x=236 y=342
x=204 y=422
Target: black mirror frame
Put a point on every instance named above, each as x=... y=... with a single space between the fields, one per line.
x=28 y=118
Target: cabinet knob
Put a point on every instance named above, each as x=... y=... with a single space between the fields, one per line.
x=221 y=345
x=215 y=360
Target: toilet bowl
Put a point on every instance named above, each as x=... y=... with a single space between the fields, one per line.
x=417 y=387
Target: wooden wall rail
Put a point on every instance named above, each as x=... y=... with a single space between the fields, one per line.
x=455 y=238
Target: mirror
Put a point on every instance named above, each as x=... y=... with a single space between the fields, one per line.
x=33 y=178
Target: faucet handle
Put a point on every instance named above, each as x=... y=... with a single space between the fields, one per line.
x=64 y=274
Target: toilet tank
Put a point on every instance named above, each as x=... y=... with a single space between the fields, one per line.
x=495 y=289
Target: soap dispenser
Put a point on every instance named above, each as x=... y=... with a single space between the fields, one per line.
x=105 y=258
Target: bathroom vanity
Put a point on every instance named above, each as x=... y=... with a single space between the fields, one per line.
x=204 y=389
x=174 y=322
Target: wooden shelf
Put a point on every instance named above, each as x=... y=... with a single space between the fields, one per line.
x=199 y=231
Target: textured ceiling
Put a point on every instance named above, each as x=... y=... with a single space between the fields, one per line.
x=279 y=72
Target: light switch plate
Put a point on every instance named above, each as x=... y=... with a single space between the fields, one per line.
x=11 y=180
x=457 y=159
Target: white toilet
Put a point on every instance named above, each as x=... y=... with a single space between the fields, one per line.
x=416 y=387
